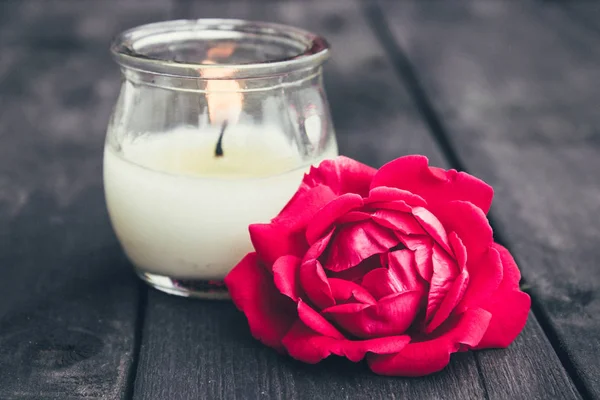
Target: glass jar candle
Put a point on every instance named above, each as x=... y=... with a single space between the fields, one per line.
x=216 y=123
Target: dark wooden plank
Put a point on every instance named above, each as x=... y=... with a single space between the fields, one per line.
x=204 y=350
x=528 y=369
x=69 y=298
x=518 y=97
x=69 y=24
x=195 y=349
x=586 y=14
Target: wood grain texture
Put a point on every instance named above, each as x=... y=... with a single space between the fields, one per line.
x=585 y=14
x=215 y=356
x=521 y=107
x=69 y=298
x=528 y=369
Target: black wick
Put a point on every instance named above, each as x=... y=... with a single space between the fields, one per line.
x=219 y=147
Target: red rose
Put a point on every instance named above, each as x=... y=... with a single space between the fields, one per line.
x=398 y=264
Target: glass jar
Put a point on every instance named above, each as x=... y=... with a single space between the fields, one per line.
x=216 y=123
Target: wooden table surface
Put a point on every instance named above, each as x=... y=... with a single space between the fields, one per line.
x=509 y=91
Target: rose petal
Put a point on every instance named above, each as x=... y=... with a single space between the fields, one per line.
x=398 y=205
x=508 y=305
x=402 y=269
x=270 y=314
x=433 y=226
x=353 y=216
x=272 y=241
x=355 y=350
x=435 y=185
x=315 y=285
x=355 y=274
x=511 y=273
x=470 y=224
x=391 y=315
x=354 y=243
x=344 y=313
x=324 y=218
x=429 y=356
x=485 y=277
x=385 y=194
x=415 y=360
x=344 y=291
x=458 y=249
x=342 y=175
x=285 y=276
x=423 y=249
x=300 y=210
x=305 y=345
x=380 y=284
x=400 y=276
x=444 y=273
x=316 y=322
x=403 y=222
x=509 y=314
x=318 y=247
x=450 y=301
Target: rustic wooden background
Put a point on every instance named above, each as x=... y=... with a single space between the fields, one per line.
x=507 y=90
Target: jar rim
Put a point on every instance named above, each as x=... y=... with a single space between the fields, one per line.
x=127 y=48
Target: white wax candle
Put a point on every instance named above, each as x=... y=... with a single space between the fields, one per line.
x=180 y=212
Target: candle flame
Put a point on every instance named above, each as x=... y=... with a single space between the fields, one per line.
x=224 y=97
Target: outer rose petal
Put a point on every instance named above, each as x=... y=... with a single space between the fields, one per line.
x=298 y=212
x=272 y=241
x=342 y=175
x=435 y=185
x=509 y=315
x=470 y=224
x=305 y=345
x=485 y=277
x=512 y=275
x=508 y=305
x=270 y=314
x=316 y=322
x=426 y=357
x=385 y=194
x=285 y=276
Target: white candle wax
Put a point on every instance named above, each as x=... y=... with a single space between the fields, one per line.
x=180 y=212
